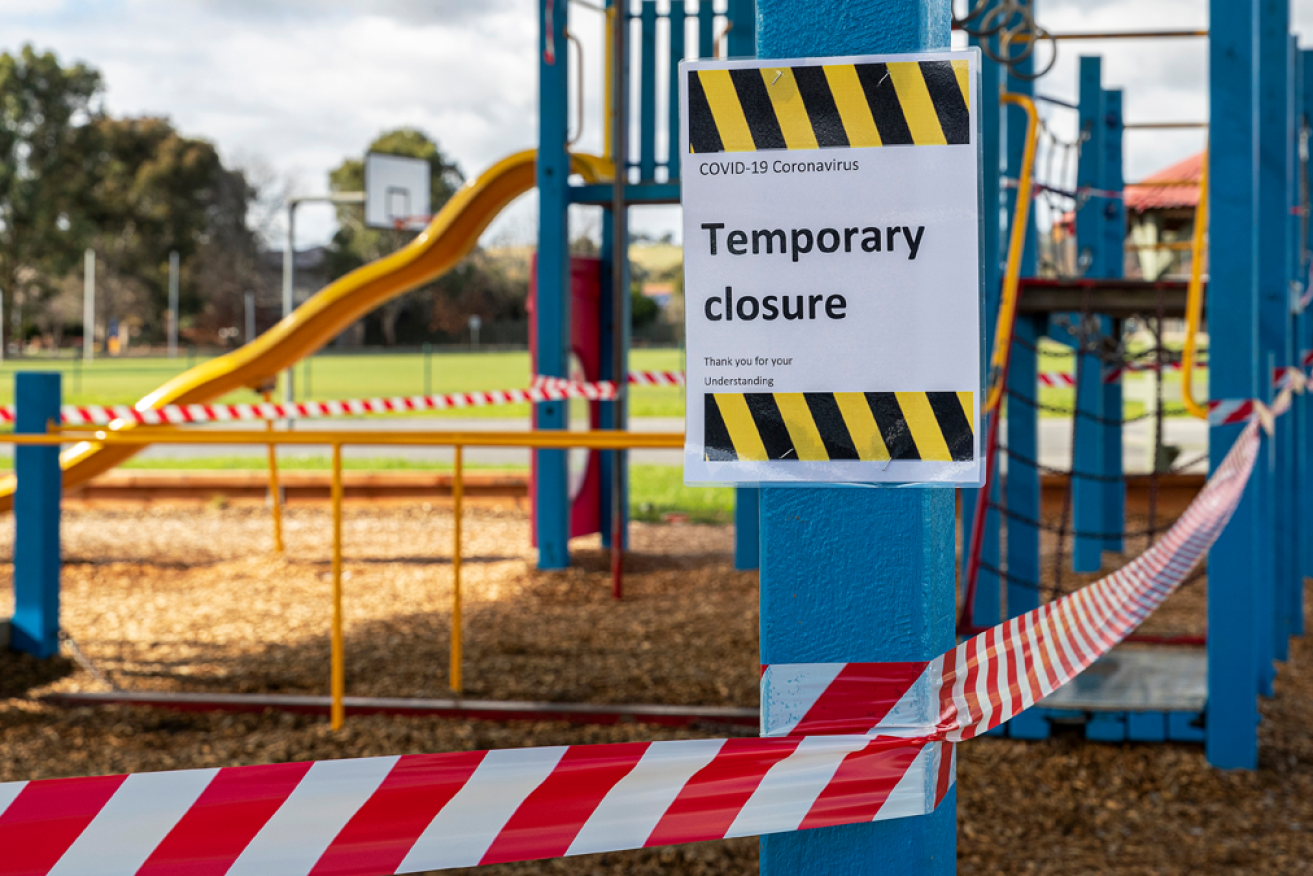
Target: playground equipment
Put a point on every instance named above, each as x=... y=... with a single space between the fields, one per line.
x=36 y=619
x=449 y=238
x=846 y=634
x=1257 y=569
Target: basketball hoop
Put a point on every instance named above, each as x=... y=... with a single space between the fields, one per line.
x=411 y=223
x=396 y=191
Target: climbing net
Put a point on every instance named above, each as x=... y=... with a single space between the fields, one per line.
x=1114 y=348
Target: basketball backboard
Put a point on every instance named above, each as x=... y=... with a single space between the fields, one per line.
x=396 y=191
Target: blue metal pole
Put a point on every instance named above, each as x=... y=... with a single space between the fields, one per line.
x=1273 y=320
x=36 y=518
x=607 y=413
x=1022 y=482
x=552 y=314
x=747 y=500
x=857 y=574
x=647 y=92
x=1304 y=449
x=1232 y=740
x=1114 y=253
x=1290 y=579
x=986 y=610
x=1022 y=479
x=678 y=20
x=1091 y=240
x=742 y=28
x=747 y=528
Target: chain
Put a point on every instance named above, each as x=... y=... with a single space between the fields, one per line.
x=81 y=659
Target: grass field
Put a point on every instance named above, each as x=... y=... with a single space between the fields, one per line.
x=336 y=376
x=332 y=376
x=655 y=490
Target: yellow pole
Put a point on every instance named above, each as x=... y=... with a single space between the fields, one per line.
x=1012 y=275
x=457 y=489
x=1194 y=301
x=338 y=715
x=274 y=491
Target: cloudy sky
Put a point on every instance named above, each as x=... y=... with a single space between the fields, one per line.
x=293 y=86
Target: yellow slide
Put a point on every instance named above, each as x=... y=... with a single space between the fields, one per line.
x=448 y=239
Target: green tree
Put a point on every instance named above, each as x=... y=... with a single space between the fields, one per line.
x=47 y=116
x=156 y=191
x=354 y=244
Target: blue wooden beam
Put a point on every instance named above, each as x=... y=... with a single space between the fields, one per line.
x=1232 y=716
x=986 y=610
x=851 y=573
x=1271 y=574
x=1087 y=495
x=35 y=628
x=552 y=314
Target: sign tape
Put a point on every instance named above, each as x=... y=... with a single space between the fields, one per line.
x=817 y=426
x=899 y=103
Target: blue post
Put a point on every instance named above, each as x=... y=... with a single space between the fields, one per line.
x=678 y=18
x=1232 y=740
x=607 y=413
x=1114 y=249
x=647 y=92
x=36 y=518
x=1305 y=342
x=747 y=501
x=857 y=574
x=706 y=30
x=1022 y=481
x=552 y=511
x=1289 y=578
x=1091 y=240
x=1273 y=317
x=743 y=29
x=986 y=610
x=747 y=528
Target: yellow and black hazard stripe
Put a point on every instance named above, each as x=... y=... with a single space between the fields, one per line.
x=820 y=426
x=900 y=103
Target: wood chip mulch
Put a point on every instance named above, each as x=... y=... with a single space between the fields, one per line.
x=187 y=599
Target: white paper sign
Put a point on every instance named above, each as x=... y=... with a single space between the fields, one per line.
x=832 y=269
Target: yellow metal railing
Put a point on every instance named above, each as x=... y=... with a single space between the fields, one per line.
x=458 y=441
x=1016 y=246
x=1194 y=300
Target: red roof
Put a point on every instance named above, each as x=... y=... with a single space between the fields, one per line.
x=1148 y=197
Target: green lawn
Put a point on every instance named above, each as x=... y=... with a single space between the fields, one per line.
x=335 y=376
x=655 y=490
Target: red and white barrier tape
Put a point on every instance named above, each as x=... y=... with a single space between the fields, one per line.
x=434 y=811
x=1056 y=379
x=996 y=675
x=544 y=389
x=846 y=743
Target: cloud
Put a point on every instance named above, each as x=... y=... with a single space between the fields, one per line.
x=304 y=83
